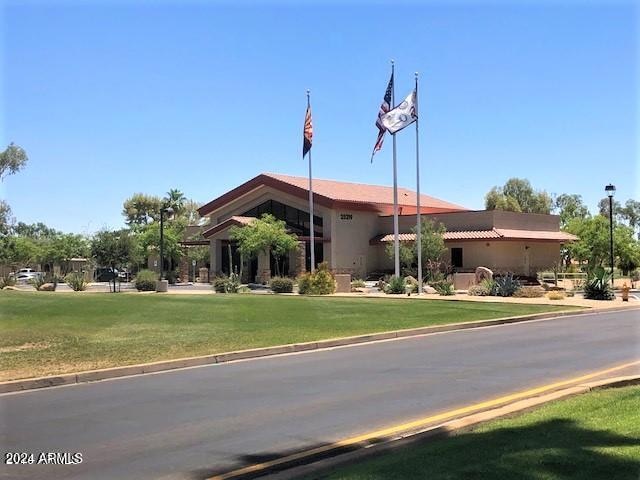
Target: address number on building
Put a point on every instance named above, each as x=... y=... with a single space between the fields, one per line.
x=346 y=216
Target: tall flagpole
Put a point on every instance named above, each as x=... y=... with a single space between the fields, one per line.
x=396 y=240
x=311 y=229
x=418 y=214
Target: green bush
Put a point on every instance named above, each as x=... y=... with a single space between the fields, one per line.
x=281 y=285
x=396 y=286
x=38 y=281
x=358 y=283
x=505 y=285
x=444 y=288
x=146 y=280
x=320 y=282
x=597 y=285
x=7 y=282
x=224 y=284
x=304 y=284
x=220 y=284
x=77 y=281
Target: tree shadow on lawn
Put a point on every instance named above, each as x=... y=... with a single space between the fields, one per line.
x=557 y=449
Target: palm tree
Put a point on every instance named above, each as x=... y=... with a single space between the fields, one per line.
x=176 y=200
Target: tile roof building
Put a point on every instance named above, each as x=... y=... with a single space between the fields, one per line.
x=353 y=224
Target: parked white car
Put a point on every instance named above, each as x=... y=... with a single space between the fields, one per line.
x=24 y=275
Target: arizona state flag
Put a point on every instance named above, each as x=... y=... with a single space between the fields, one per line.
x=307 y=134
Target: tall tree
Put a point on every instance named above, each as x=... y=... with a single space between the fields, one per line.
x=12 y=160
x=432 y=240
x=631 y=214
x=517 y=195
x=114 y=249
x=266 y=234
x=141 y=209
x=603 y=208
x=570 y=206
x=176 y=200
x=6 y=220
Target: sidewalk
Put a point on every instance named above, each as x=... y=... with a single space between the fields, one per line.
x=576 y=301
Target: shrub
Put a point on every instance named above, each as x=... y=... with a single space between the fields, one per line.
x=38 y=281
x=358 y=283
x=320 y=282
x=281 y=285
x=597 y=285
x=220 y=284
x=224 y=284
x=505 y=285
x=480 y=290
x=77 y=281
x=304 y=284
x=396 y=286
x=555 y=295
x=444 y=288
x=411 y=284
x=7 y=282
x=146 y=280
x=529 y=292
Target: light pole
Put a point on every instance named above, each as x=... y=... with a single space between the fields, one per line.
x=611 y=190
x=169 y=211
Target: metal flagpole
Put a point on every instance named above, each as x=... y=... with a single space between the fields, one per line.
x=311 y=229
x=396 y=240
x=418 y=213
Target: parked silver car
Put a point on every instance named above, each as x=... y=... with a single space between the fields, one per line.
x=25 y=275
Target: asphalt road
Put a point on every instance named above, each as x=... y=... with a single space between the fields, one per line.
x=195 y=422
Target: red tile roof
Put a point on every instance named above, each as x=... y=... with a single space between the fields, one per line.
x=363 y=193
x=334 y=194
x=495 y=234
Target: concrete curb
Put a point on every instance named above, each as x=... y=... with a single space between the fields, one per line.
x=321 y=468
x=165 y=365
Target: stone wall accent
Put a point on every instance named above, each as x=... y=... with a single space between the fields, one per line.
x=297 y=263
x=203 y=275
x=185 y=269
x=343 y=283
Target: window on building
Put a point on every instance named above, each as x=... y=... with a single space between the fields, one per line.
x=297 y=220
x=456 y=257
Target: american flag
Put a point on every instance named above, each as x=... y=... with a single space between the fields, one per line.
x=384 y=108
x=307 y=134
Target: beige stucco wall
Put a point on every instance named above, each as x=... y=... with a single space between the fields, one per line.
x=518 y=257
x=351 y=230
x=477 y=220
x=350 y=249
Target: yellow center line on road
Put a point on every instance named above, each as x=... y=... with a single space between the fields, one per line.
x=395 y=430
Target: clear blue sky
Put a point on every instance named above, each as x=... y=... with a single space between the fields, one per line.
x=123 y=97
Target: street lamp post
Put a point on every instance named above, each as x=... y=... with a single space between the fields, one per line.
x=610 y=190
x=169 y=211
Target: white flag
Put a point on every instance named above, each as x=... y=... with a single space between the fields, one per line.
x=404 y=114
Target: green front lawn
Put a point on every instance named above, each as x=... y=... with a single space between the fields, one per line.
x=592 y=436
x=43 y=333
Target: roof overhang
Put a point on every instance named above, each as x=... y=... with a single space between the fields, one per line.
x=235 y=221
x=495 y=234
x=263 y=180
